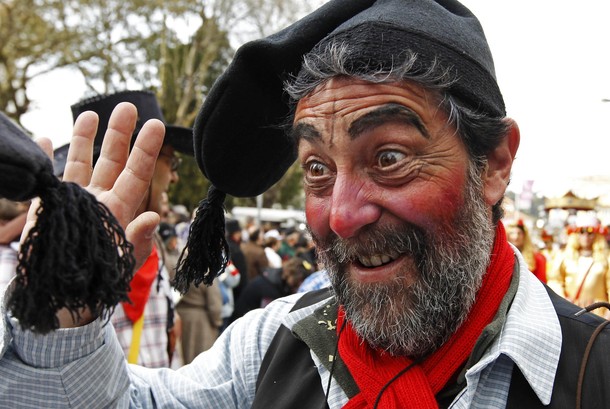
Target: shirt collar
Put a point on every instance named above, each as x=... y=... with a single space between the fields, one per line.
x=531 y=336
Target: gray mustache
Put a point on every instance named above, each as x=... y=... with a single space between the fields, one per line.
x=377 y=240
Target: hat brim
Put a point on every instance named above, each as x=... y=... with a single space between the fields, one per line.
x=180 y=138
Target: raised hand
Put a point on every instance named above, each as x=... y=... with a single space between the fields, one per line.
x=120 y=180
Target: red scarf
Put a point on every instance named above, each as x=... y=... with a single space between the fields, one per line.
x=141 y=284
x=417 y=387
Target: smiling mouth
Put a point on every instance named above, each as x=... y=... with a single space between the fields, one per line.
x=377 y=260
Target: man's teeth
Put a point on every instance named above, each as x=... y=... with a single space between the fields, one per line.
x=376 y=260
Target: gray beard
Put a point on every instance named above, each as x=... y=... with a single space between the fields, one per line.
x=415 y=319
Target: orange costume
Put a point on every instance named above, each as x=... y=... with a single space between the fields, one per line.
x=580 y=272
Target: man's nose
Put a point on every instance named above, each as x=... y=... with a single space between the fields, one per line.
x=175 y=177
x=352 y=205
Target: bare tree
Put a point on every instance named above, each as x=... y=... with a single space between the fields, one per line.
x=176 y=48
x=118 y=44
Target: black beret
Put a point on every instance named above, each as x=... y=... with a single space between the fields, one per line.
x=240 y=144
x=180 y=138
x=25 y=168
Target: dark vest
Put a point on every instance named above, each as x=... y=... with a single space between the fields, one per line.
x=289 y=379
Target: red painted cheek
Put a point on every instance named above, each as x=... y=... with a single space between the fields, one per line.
x=430 y=206
x=317 y=213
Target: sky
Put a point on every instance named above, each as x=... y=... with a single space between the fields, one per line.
x=552 y=64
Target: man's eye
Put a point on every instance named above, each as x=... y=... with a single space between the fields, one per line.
x=389 y=158
x=316 y=169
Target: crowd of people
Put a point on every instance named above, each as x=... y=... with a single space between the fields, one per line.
x=253 y=278
x=576 y=265
x=393 y=111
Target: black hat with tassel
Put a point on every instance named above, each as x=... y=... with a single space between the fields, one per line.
x=241 y=144
x=75 y=256
x=179 y=137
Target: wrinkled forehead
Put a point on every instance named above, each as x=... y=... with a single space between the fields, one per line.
x=353 y=105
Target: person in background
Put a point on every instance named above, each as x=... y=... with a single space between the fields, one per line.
x=182 y=229
x=288 y=241
x=549 y=250
x=250 y=224
x=169 y=247
x=233 y=232
x=227 y=281
x=178 y=214
x=271 y=285
x=253 y=251
x=519 y=236
x=306 y=249
x=580 y=272
x=200 y=315
x=272 y=244
x=146 y=327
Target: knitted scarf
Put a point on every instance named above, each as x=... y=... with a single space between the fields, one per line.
x=416 y=387
x=141 y=284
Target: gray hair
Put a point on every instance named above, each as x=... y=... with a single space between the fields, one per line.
x=480 y=132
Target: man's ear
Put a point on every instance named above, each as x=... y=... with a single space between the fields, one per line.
x=499 y=164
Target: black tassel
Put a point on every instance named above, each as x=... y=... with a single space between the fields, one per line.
x=206 y=253
x=76 y=256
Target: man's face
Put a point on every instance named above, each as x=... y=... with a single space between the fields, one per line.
x=586 y=237
x=395 y=209
x=165 y=174
x=516 y=236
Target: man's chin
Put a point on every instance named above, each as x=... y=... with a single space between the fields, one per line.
x=371 y=301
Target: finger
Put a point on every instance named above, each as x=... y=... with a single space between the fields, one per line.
x=140 y=233
x=79 y=160
x=115 y=146
x=46 y=145
x=133 y=183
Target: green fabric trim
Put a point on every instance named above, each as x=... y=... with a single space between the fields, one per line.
x=319 y=332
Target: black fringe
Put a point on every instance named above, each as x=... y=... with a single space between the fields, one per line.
x=206 y=253
x=76 y=256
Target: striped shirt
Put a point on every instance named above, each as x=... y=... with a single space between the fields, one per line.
x=153 y=338
x=314 y=282
x=84 y=367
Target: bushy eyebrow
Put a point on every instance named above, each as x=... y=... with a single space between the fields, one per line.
x=384 y=114
x=304 y=131
x=377 y=117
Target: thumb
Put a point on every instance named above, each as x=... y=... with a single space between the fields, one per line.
x=140 y=232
